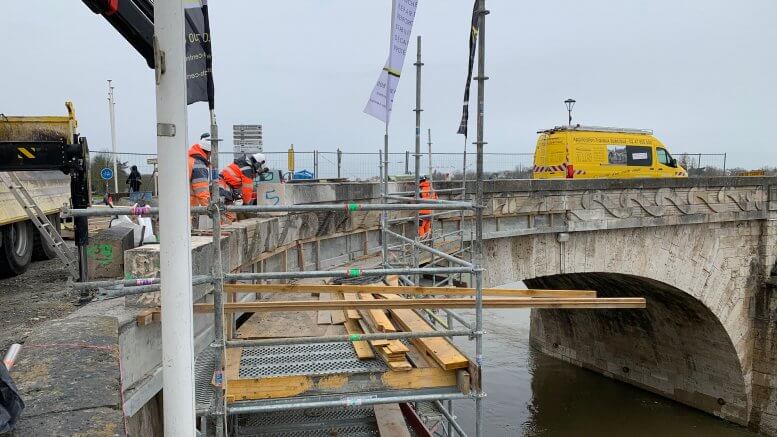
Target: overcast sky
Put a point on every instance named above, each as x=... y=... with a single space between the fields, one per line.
x=700 y=73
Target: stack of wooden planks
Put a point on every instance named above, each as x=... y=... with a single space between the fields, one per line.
x=394 y=353
x=391 y=351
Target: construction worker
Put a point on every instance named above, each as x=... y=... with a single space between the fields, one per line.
x=199 y=169
x=236 y=181
x=425 y=225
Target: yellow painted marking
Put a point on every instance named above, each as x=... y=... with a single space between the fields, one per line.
x=26 y=152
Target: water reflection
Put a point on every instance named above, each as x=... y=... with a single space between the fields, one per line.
x=531 y=394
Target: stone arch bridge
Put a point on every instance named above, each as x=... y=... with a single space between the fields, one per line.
x=702 y=251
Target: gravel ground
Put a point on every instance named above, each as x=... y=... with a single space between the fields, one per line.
x=39 y=295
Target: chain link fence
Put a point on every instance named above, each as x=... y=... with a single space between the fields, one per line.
x=366 y=166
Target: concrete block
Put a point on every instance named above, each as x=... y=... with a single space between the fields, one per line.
x=105 y=253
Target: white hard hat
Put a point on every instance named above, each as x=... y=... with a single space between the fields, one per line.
x=258 y=157
x=205 y=142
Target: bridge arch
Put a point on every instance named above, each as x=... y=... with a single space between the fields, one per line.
x=691 y=344
x=676 y=347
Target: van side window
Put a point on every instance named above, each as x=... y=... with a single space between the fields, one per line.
x=663 y=156
x=616 y=154
x=639 y=155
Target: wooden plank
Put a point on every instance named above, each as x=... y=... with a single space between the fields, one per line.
x=287 y=386
x=351 y=314
x=396 y=364
x=411 y=290
x=364 y=324
x=496 y=303
x=338 y=316
x=145 y=317
x=362 y=348
x=232 y=363
x=439 y=349
x=379 y=319
x=415 y=378
x=391 y=422
x=396 y=347
x=324 y=316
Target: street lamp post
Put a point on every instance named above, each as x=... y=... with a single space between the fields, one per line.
x=111 y=111
x=570 y=104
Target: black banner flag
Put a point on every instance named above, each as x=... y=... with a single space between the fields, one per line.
x=199 y=60
x=473 y=38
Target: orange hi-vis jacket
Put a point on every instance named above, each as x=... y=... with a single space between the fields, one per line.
x=238 y=177
x=426 y=193
x=198 y=176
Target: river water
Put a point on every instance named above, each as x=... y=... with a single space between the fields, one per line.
x=532 y=394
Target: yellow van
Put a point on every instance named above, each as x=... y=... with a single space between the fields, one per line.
x=590 y=152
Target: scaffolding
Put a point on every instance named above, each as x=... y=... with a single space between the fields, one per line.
x=453 y=254
x=214 y=364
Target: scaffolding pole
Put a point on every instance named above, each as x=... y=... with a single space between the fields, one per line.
x=345 y=401
x=219 y=405
x=418 y=64
x=478 y=246
x=320 y=207
x=347 y=338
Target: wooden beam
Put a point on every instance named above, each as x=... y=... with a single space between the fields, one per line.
x=338 y=316
x=362 y=348
x=439 y=349
x=351 y=314
x=287 y=386
x=495 y=303
x=391 y=422
x=432 y=291
x=324 y=316
x=378 y=317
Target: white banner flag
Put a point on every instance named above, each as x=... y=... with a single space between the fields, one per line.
x=402 y=16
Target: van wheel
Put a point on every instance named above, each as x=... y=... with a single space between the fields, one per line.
x=41 y=251
x=18 y=240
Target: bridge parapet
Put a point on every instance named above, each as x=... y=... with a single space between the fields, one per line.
x=523 y=207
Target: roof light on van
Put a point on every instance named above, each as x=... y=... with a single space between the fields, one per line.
x=580 y=128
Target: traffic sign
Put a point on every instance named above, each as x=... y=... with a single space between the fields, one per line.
x=106 y=174
x=247 y=135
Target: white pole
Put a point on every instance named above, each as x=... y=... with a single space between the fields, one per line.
x=174 y=229
x=112 y=112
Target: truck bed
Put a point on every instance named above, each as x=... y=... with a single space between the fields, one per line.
x=50 y=189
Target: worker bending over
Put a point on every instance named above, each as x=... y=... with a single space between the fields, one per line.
x=236 y=181
x=425 y=225
x=199 y=169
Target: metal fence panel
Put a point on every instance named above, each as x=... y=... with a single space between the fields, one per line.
x=364 y=166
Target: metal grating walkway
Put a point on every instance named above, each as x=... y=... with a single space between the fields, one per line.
x=305 y=359
x=354 y=422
